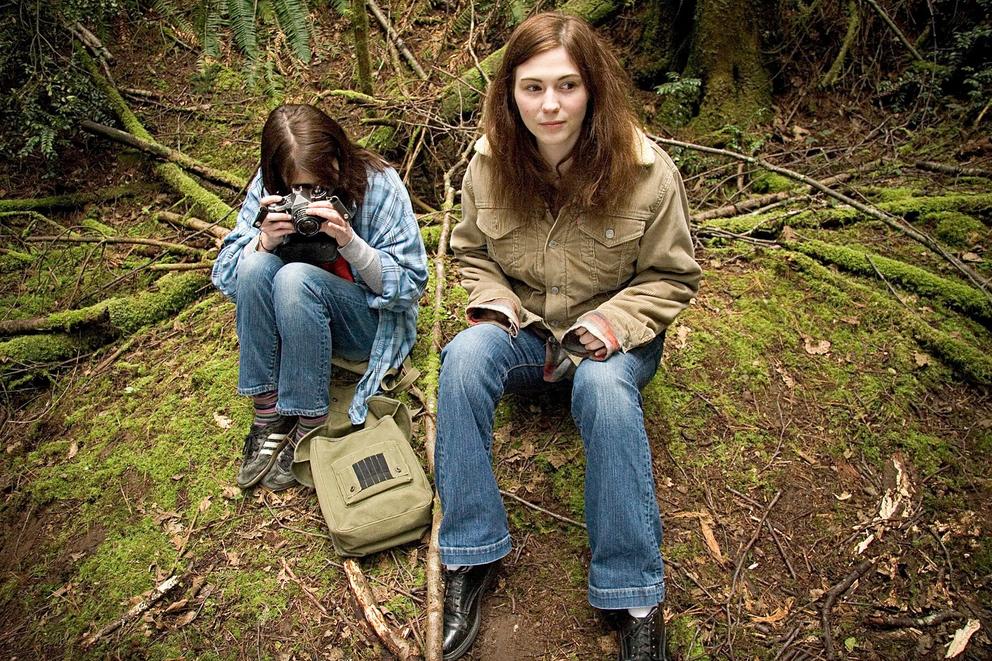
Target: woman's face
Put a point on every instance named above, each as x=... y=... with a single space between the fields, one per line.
x=552 y=99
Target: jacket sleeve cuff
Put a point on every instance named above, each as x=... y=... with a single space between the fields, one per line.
x=599 y=325
x=500 y=305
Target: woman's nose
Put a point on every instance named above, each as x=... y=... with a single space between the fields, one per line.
x=549 y=104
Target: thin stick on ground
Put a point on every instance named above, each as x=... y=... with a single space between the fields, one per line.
x=747 y=548
x=538 y=508
x=136 y=611
x=894 y=222
x=831 y=595
x=363 y=595
x=165 y=245
x=394 y=35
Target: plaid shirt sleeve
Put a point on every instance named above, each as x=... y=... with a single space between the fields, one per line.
x=387 y=223
x=225 y=271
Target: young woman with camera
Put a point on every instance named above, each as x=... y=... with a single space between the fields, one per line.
x=351 y=288
x=574 y=247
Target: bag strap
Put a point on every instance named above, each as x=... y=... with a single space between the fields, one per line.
x=397 y=380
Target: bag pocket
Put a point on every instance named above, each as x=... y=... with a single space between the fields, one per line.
x=363 y=474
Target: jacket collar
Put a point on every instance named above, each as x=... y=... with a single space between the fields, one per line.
x=645 y=148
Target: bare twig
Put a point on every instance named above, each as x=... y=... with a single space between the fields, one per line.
x=956 y=170
x=759 y=201
x=166 y=245
x=160 y=591
x=404 y=51
x=363 y=595
x=831 y=595
x=538 y=508
x=931 y=620
x=213 y=229
x=747 y=547
x=895 y=28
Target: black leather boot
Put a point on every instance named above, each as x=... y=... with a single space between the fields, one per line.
x=463 y=590
x=641 y=638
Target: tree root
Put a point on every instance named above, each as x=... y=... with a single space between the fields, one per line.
x=71 y=201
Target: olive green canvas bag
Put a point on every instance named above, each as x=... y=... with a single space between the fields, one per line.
x=370 y=485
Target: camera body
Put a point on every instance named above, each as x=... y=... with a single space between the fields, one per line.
x=296 y=203
x=307 y=244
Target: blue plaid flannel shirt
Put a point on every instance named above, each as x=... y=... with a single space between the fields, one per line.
x=386 y=222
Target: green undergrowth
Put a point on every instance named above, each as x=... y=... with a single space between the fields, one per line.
x=770 y=334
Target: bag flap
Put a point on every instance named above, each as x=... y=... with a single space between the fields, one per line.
x=371 y=470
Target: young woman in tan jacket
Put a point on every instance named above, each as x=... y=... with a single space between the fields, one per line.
x=574 y=248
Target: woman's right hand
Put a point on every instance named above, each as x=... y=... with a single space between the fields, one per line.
x=275 y=226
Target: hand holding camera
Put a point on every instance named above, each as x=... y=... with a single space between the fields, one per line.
x=306 y=211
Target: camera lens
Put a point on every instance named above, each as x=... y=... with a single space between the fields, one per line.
x=304 y=224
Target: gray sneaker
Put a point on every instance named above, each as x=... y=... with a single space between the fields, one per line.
x=280 y=476
x=262 y=446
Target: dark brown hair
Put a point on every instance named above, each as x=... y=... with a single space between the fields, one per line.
x=605 y=155
x=303 y=138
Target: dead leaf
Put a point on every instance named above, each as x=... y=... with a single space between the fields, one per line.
x=818 y=348
x=73 y=449
x=922 y=359
x=204 y=504
x=788 y=234
x=233 y=558
x=682 y=336
x=780 y=613
x=843 y=496
x=851 y=321
x=961 y=638
x=177 y=541
x=710 y=539
x=972 y=257
x=222 y=420
x=231 y=492
x=186 y=619
x=557 y=459
x=176 y=606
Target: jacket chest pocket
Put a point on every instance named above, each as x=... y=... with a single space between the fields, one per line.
x=610 y=245
x=505 y=245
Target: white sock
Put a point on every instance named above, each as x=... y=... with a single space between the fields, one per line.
x=640 y=612
x=453 y=567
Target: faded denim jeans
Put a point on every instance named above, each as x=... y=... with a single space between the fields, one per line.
x=291 y=318
x=621 y=511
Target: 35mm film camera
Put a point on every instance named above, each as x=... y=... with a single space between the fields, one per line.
x=308 y=244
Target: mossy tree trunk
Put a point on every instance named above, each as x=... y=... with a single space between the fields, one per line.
x=718 y=43
x=360 y=28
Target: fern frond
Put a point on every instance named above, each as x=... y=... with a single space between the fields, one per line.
x=294 y=20
x=177 y=20
x=241 y=14
x=519 y=9
x=210 y=23
x=343 y=7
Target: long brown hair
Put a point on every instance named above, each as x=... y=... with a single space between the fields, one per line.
x=303 y=138
x=604 y=159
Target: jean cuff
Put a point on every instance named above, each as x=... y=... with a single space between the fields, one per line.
x=306 y=413
x=615 y=598
x=475 y=555
x=257 y=390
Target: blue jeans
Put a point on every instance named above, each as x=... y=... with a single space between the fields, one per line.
x=291 y=317
x=478 y=366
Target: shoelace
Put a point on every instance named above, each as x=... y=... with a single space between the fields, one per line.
x=454 y=582
x=639 y=638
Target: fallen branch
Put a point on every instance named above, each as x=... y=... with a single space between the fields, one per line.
x=189 y=222
x=759 y=201
x=165 y=153
x=71 y=201
x=944 y=168
x=747 y=547
x=394 y=35
x=363 y=595
x=189 y=266
x=136 y=611
x=165 y=245
x=831 y=595
x=931 y=620
x=890 y=220
x=895 y=28
x=351 y=96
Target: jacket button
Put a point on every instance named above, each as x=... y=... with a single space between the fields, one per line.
x=553 y=243
x=610 y=233
x=554 y=290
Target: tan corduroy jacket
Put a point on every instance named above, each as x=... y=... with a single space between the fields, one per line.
x=633 y=264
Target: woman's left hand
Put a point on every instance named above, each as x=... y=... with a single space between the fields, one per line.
x=595 y=346
x=333 y=224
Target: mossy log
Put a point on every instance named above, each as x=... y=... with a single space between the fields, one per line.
x=954 y=294
x=103 y=321
x=213 y=208
x=72 y=200
x=159 y=150
x=968 y=361
x=462 y=95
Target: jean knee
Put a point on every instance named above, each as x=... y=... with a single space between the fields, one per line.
x=293 y=285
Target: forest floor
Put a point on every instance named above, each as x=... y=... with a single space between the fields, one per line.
x=817 y=458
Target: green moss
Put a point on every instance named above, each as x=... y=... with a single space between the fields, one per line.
x=957 y=229
x=926 y=451
x=256 y=596
x=95 y=225
x=952 y=293
x=771 y=182
x=685 y=639
x=174 y=292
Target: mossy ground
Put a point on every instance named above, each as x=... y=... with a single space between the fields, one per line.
x=780 y=380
